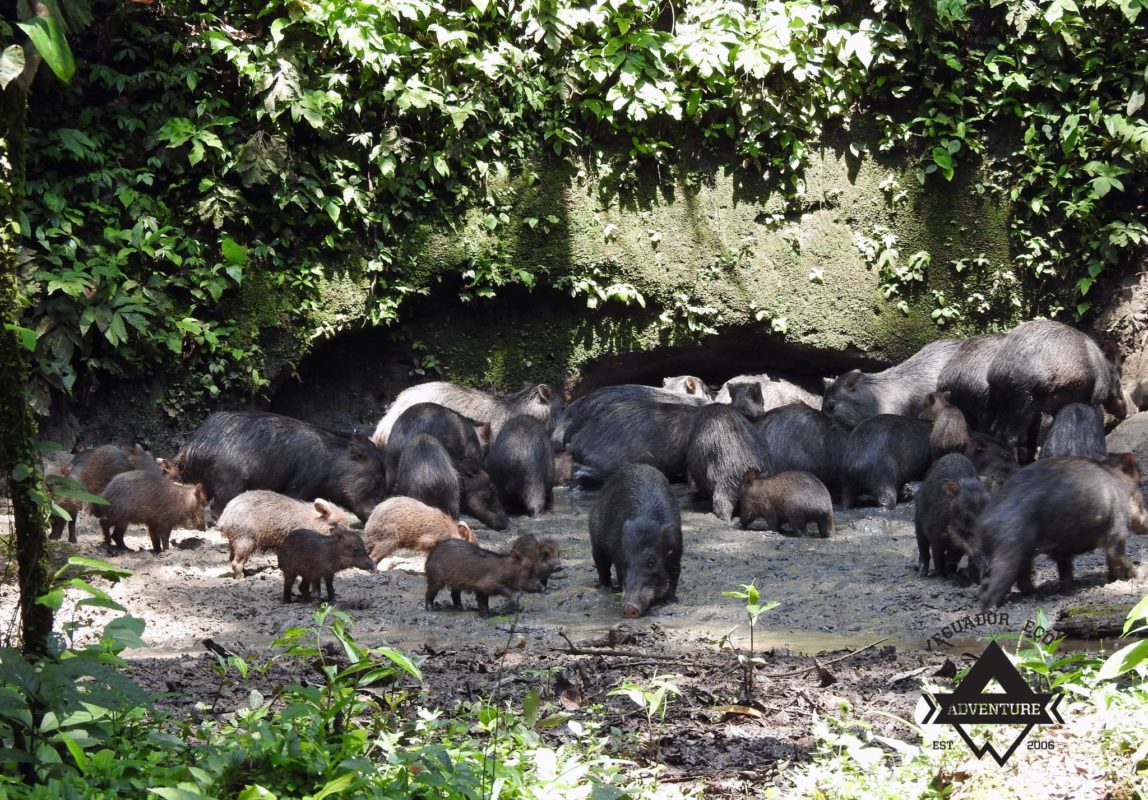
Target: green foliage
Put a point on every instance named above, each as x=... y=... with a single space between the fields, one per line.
x=1131 y=657
x=89 y=732
x=754 y=608
x=202 y=144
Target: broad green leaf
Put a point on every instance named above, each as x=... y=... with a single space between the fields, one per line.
x=27 y=337
x=234 y=252
x=48 y=37
x=11 y=64
x=1124 y=659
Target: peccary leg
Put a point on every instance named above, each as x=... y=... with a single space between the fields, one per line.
x=288 y=582
x=1007 y=568
x=940 y=559
x=602 y=562
x=1118 y=567
x=923 y=553
x=483 y=604
x=432 y=592
x=329 y=578
x=825 y=528
x=723 y=507
x=456 y=598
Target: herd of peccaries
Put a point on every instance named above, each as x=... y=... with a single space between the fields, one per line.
x=1006 y=431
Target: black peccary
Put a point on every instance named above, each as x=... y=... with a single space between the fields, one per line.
x=235 y=451
x=899 y=389
x=966 y=378
x=799 y=437
x=633 y=431
x=464 y=566
x=1060 y=507
x=882 y=453
x=427 y=473
x=636 y=527
x=521 y=465
x=1076 y=430
x=1042 y=366
x=599 y=402
x=792 y=497
x=462 y=438
x=945 y=516
x=315 y=557
x=992 y=458
x=540 y=401
x=723 y=444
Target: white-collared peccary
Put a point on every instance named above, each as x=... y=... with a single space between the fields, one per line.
x=945 y=517
x=260 y=520
x=881 y=454
x=792 y=497
x=966 y=378
x=687 y=384
x=798 y=437
x=600 y=402
x=722 y=446
x=775 y=392
x=464 y=566
x=427 y=473
x=313 y=557
x=1042 y=366
x=536 y=400
x=403 y=523
x=236 y=451
x=521 y=465
x=633 y=432
x=636 y=527
x=950 y=432
x=1076 y=430
x=992 y=458
x=146 y=497
x=1060 y=507
x=460 y=437
x=96 y=467
x=857 y=395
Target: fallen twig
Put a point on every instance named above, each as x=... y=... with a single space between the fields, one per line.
x=816 y=663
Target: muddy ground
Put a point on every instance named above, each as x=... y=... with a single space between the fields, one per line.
x=836 y=595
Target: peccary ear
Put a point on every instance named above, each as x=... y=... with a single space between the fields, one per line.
x=952 y=488
x=852 y=378
x=749 y=476
x=469 y=468
x=465 y=533
x=323 y=507
x=827 y=382
x=1128 y=465
x=483 y=433
x=167 y=468
x=755 y=393
x=1111 y=351
x=947 y=396
x=691 y=386
x=545 y=392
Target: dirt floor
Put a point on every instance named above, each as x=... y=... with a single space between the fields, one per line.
x=836 y=595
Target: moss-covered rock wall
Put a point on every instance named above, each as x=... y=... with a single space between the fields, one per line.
x=712 y=249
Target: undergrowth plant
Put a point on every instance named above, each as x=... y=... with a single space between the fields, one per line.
x=754 y=608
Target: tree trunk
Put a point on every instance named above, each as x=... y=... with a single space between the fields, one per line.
x=19 y=456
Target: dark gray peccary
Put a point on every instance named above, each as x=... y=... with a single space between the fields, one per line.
x=540 y=401
x=775 y=392
x=1077 y=430
x=427 y=473
x=462 y=438
x=313 y=557
x=236 y=451
x=403 y=523
x=950 y=432
x=1042 y=366
x=746 y=399
x=464 y=566
x=260 y=520
x=521 y=465
x=633 y=432
x=687 y=384
x=992 y=458
x=1060 y=507
x=723 y=444
x=897 y=390
x=599 y=402
x=798 y=437
x=966 y=378
x=945 y=517
x=792 y=497
x=882 y=453
x=146 y=497
x=636 y=527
